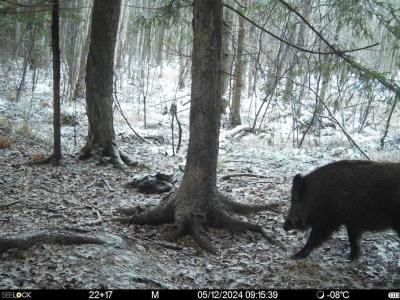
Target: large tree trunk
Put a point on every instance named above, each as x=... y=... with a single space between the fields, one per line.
x=99 y=80
x=194 y=206
x=198 y=191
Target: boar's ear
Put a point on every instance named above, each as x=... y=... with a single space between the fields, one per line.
x=297 y=179
x=297 y=188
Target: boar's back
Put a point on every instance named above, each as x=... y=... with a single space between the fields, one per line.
x=363 y=193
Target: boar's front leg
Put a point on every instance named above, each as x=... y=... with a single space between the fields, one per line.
x=355 y=242
x=317 y=236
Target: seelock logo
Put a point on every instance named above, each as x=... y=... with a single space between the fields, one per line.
x=16 y=295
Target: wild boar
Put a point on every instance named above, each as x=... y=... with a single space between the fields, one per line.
x=361 y=195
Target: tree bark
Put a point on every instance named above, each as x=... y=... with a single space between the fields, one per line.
x=56 y=157
x=235 y=118
x=55 y=43
x=99 y=81
x=80 y=86
x=183 y=58
x=198 y=191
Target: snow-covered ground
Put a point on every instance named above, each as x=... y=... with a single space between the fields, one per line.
x=64 y=198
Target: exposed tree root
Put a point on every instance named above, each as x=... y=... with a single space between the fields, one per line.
x=199 y=235
x=130 y=211
x=194 y=223
x=127 y=159
x=243 y=209
x=223 y=202
x=162 y=214
x=222 y=220
x=118 y=158
x=22 y=243
x=86 y=151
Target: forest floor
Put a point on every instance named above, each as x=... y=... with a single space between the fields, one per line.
x=81 y=197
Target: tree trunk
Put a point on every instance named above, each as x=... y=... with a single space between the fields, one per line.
x=80 y=86
x=235 y=118
x=194 y=206
x=80 y=56
x=55 y=43
x=122 y=32
x=226 y=49
x=198 y=191
x=182 y=59
x=160 y=43
x=27 y=59
x=99 y=81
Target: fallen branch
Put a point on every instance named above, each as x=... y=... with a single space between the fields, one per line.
x=107 y=184
x=91 y=184
x=97 y=221
x=239 y=129
x=226 y=177
x=257 y=182
x=169 y=245
x=89 y=223
x=239 y=161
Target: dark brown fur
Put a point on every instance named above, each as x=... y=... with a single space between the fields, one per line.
x=361 y=195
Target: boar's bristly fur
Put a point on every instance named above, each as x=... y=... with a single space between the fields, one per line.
x=361 y=195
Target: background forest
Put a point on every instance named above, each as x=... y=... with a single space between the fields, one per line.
x=303 y=83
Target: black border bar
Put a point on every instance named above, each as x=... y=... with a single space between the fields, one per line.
x=200 y=294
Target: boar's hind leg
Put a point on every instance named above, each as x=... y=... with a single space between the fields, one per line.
x=355 y=244
x=317 y=236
